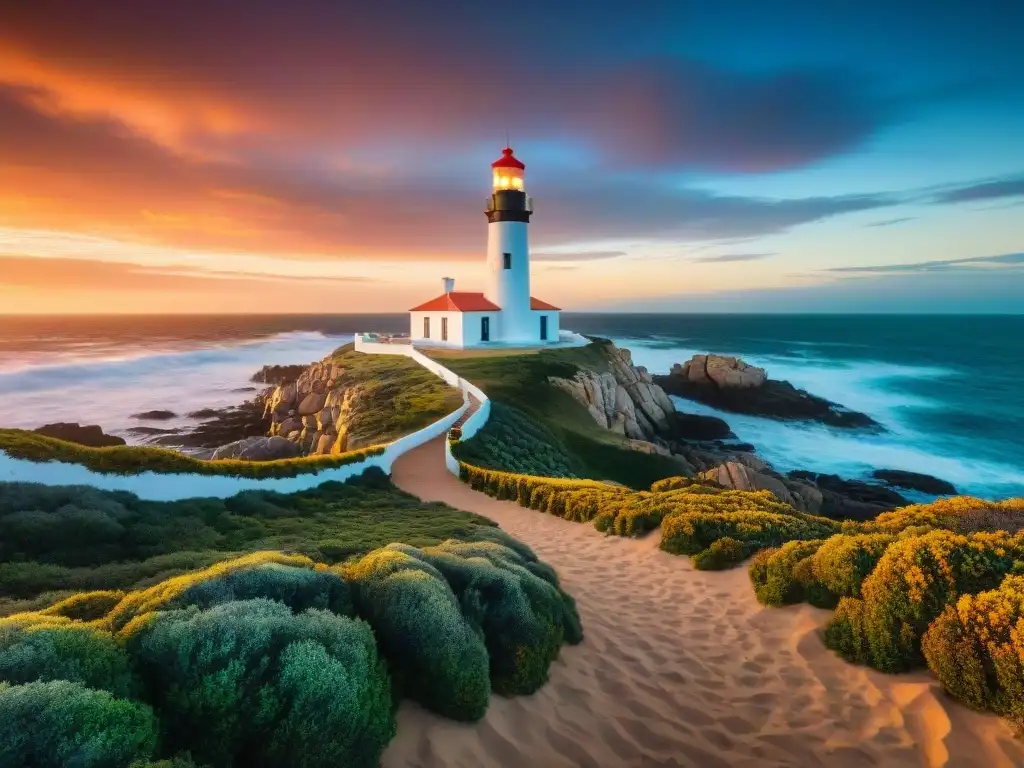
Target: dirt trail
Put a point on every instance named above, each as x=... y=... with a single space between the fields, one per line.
x=683 y=668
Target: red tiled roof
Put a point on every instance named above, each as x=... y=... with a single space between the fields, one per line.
x=538 y=304
x=507 y=160
x=467 y=301
x=458 y=301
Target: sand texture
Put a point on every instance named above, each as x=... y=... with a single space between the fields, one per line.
x=684 y=668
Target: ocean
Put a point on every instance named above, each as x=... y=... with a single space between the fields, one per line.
x=948 y=389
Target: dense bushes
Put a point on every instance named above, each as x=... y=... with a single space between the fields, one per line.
x=513 y=442
x=274 y=660
x=723 y=553
x=133 y=460
x=781 y=575
x=78 y=538
x=251 y=683
x=60 y=723
x=39 y=650
x=976 y=648
x=911 y=585
x=439 y=658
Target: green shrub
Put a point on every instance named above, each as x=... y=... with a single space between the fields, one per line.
x=32 y=651
x=723 y=553
x=913 y=582
x=60 y=723
x=298 y=587
x=843 y=562
x=976 y=649
x=755 y=518
x=251 y=683
x=524 y=616
x=772 y=572
x=511 y=441
x=439 y=659
x=846 y=633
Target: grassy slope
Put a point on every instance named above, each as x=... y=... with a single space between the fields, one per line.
x=60 y=539
x=399 y=397
x=520 y=379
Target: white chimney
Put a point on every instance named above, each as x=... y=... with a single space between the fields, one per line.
x=449 y=284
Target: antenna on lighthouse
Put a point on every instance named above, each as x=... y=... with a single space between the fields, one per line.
x=506 y=136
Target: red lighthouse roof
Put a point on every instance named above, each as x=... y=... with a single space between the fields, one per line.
x=507 y=160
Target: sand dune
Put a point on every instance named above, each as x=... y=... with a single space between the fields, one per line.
x=683 y=668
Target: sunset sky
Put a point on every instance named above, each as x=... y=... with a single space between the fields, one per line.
x=688 y=156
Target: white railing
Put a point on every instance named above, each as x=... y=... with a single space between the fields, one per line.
x=366 y=343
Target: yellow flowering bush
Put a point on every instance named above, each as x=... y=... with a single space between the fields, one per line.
x=976 y=649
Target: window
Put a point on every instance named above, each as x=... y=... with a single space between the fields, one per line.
x=426 y=327
x=508 y=260
x=543 y=327
x=444 y=329
x=485 y=329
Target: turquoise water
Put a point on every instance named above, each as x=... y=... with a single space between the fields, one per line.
x=950 y=390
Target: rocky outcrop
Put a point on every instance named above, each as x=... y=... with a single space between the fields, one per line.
x=915 y=481
x=729 y=384
x=850 y=499
x=741 y=476
x=258 y=449
x=277 y=374
x=689 y=426
x=155 y=415
x=624 y=399
x=219 y=427
x=721 y=371
x=317 y=409
x=90 y=435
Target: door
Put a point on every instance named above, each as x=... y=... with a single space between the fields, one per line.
x=485 y=329
x=543 y=327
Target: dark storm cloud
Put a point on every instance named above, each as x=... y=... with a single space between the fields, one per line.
x=334 y=73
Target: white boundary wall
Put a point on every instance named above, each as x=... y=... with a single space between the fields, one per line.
x=154 y=486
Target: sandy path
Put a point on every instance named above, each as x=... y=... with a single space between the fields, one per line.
x=684 y=668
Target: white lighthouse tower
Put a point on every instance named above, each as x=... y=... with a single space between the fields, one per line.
x=504 y=314
x=508 y=250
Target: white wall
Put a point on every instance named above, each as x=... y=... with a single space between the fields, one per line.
x=553 y=320
x=510 y=288
x=471 y=327
x=454 y=327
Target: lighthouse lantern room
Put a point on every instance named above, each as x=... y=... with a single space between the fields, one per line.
x=504 y=314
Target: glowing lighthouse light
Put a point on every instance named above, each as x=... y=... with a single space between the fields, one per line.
x=508 y=171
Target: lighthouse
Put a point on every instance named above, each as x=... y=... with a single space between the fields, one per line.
x=508 y=250
x=504 y=313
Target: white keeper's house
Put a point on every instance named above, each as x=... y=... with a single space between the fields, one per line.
x=504 y=314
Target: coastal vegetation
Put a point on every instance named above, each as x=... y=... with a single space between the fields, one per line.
x=542 y=418
x=352 y=596
x=55 y=541
x=131 y=460
x=938 y=585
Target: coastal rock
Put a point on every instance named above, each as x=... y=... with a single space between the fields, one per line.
x=722 y=371
x=218 y=427
x=689 y=426
x=91 y=435
x=155 y=415
x=277 y=374
x=850 y=499
x=258 y=449
x=740 y=477
x=915 y=481
x=729 y=384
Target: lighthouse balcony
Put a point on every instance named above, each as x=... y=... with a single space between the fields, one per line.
x=492 y=205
